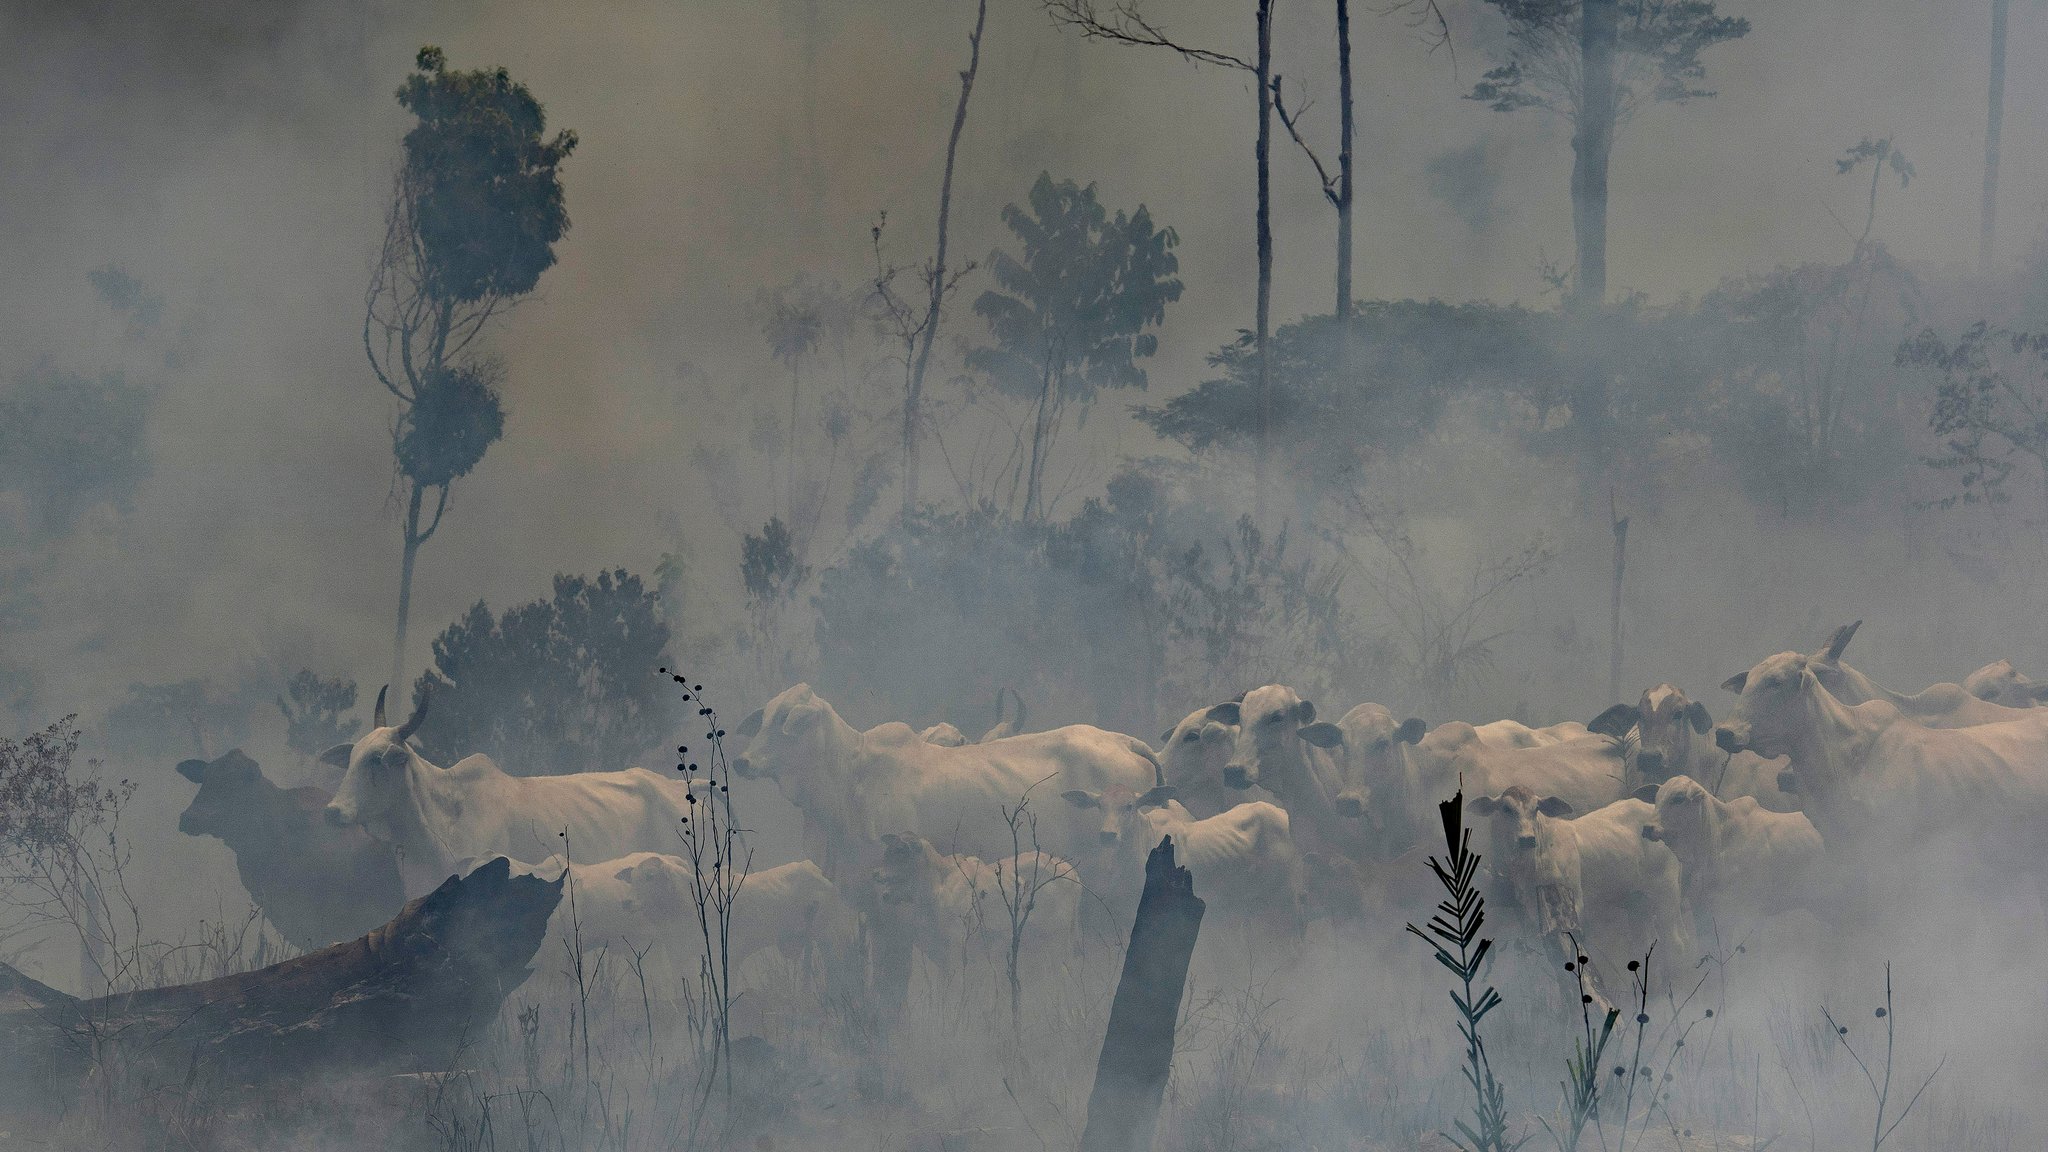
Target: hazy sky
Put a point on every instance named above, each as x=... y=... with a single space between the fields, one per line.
x=236 y=156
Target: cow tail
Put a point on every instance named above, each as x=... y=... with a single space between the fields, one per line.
x=1145 y=750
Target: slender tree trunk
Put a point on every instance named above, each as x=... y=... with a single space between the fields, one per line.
x=789 y=485
x=1264 y=150
x=1137 y=1051
x=1345 y=133
x=1614 y=603
x=412 y=551
x=1994 y=119
x=1033 y=494
x=914 y=397
x=1591 y=146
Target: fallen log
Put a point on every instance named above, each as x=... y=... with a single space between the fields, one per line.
x=405 y=997
x=1137 y=1051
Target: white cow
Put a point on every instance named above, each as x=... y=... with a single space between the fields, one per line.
x=1672 y=736
x=1738 y=858
x=854 y=786
x=435 y=817
x=1193 y=754
x=944 y=734
x=957 y=909
x=2001 y=683
x=1282 y=748
x=1595 y=877
x=1583 y=768
x=1870 y=777
x=1243 y=860
x=647 y=899
x=1936 y=706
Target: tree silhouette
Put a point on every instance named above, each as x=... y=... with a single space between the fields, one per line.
x=1595 y=64
x=1070 y=312
x=475 y=214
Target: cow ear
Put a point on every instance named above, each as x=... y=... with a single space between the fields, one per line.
x=2035 y=692
x=1697 y=715
x=1483 y=805
x=1227 y=712
x=1411 y=731
x=1832 y=650
x=193 y=770
x=1323 y=735
x=1616 y=721
x=1736 y=683
x=1157 y=797
x=751 y=726
x=1166 y=738
x=1082 y=798
x=337 y=756
x=1305 y=712
x=1554 y=807
x=1647 y=794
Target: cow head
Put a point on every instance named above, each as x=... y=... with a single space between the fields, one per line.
x=1369 y=752
x=1274 y=722
x=1686 y=821
x=1776 y=696
x=794 y=732
x=1194 y=752
x=1516 y=815
x=228 y=789
x=1667 y=724
x=376 y=780
x=1123 y=811
x=2000 y=683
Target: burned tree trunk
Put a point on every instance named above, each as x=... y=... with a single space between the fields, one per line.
x=1137 y=1052
x=407 y=995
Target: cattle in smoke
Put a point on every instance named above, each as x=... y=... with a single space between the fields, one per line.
x=943 y=734
x=1935 y=706
x=1738 y=859
x=1283 y=748
x=1667 y=733
x=1869 y=776
x=1585 y=769
x=2000 y=683
x=957 y=909
x=436 y=817
x=1558 y=875
x=1243 y=859
x=855 y=786
x=1193 y=755
x=317 y=884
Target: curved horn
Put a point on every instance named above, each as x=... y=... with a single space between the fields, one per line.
x=413 y=722
x=378 y=719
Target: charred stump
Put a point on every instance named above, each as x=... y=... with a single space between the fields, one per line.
x=407 y=996
x=1137 y=1051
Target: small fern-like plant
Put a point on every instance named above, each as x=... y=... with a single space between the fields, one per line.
x=1454 y=934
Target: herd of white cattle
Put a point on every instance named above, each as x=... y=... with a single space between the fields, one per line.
x=1643 y=827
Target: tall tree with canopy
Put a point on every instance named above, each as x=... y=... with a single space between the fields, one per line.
x=1070 y=312
x=1595 y=64
x=475 y=213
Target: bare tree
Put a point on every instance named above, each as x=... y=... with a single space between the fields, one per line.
x=916 y=328
x=1122 y=23
x=1018 y=887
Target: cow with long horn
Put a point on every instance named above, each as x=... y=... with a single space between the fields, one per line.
x=435 y=817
